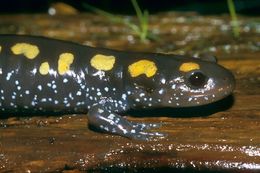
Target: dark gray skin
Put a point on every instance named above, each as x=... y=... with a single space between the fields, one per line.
x=104 y=94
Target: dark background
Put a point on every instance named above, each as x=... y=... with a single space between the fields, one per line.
x=245 y=7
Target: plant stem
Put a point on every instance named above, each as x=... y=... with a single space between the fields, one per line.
x=141 y=30
x=234 y=21
x=143 y=20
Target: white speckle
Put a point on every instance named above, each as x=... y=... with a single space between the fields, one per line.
x=137 y=100
x=98 y=89
x=100 y=74
x=83 y=86
x=54 y=86
x=114 y=89
x=124 y=96
x=27 y=92
x=106 y=128
x=161 y=91
x=111 y=116
x=128 y=92
x=163 y=81
x=68 y=105
x=142 y=94
x=70 y=96
x=78 y=93
x=100 y=110
x=56 y=102
x=149 y=104
x=169 y=101
x=19 y=88
x=190 y=99
x=9 y=76
x=34 y=71
x=133 y=131
x=33 y=103
x=173 y=86
x=106 y=89
x=16 y=82
x=65 y=80
x=49 y=84
x=43 y=100
x=39 y=87
x=99 y=93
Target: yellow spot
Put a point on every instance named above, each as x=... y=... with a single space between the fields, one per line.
x=64 y=62
x=142 y=67
x=0 y=49
x=44 y=68
x=102 y=62
x=28 y=50
x=188 y=66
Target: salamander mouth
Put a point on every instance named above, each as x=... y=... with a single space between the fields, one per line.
x=212 y=96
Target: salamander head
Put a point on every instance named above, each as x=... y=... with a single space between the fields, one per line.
x=198 y=83
x=189 y=82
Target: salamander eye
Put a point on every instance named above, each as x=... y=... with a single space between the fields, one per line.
x=197 y=79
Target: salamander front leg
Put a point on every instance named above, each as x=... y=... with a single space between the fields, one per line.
x=104 y=120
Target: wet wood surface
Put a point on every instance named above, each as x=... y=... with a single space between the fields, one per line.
x=220 y=137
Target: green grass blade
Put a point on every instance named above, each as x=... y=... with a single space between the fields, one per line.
x=111 y=16
x=234 y=21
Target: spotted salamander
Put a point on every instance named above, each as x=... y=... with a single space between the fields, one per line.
x=40 y=74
